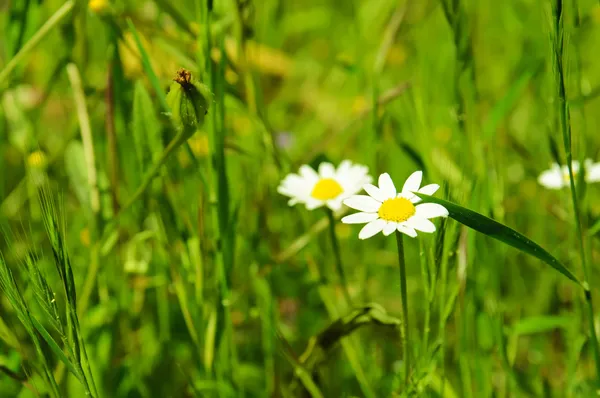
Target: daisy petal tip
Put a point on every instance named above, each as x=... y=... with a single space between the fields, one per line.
x=429 y=189
x=386 y=186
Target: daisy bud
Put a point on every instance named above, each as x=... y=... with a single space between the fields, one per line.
x=189 y=101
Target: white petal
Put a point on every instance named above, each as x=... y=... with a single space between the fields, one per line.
x=375 y=192
x=353 y=181
x=372 y=228
x=588 y=163
x=389 y=228
x=293 y=189
x=326 y=170
x=429 y=189
x=593 y=173
x=352 y=177
x=284 y=191
x=413 y=182
x=312 y=203
x=362 y=203
x=430 y=210
x=335 y=204
x=386 y=185
x=552 y=179
x=308 y=173
x=574 y=166
x=350 y=190
x=420 y=224
x=344 y=168
x=293 y=179
x=360 y=218
x=405 y=229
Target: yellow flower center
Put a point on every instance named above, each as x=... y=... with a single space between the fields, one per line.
x=396 y=209
x=326 y=188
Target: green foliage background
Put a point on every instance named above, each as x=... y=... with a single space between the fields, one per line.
x=209 y=284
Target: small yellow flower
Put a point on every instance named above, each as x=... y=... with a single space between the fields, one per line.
x=199 y=144
x=359 y=105
x=84 y=237
x=98 y=6
x=36 y=160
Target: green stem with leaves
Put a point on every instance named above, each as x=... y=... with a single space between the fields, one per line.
x=404 y=298
x=338 y=257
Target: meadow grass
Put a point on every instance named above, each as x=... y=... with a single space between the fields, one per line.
x=140 y=259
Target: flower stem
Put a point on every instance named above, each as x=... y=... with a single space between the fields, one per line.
x=565 y=127
x=403 y=295
x=338 y=257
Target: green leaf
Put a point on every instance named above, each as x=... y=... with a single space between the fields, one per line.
x=541 y=324
x=501 y=232
x=146 y=128
x=77 y=172
x=148 y=68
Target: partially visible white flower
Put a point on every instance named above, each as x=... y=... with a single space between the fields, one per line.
x=327 y=187
x=557 y=177
x=386 y=211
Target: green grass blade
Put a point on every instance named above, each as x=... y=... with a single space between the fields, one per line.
x=162 y=98
x=541 y=324
x=56 y=349
x=501 y=232
x=507 y=102
x=175 y=13
x=52 y=22
x=146 y=128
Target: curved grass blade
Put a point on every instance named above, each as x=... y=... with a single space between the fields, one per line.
x=501 y=232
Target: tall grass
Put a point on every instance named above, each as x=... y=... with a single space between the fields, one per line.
x=140 y=261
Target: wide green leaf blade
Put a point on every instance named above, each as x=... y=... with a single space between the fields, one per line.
x=501 y=232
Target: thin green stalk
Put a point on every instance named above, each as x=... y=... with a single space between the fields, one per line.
x=173 y=145
x=338 y=257
x=404 y=298
x=565 y=126
x=86 y=137
x=52 y=22
x=428 y=290
x=219 y=202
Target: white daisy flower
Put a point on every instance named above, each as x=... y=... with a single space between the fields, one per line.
x=329 y=187
x=558 y=176
x=385 y=211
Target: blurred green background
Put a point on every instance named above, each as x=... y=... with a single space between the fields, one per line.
x=210 y=285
